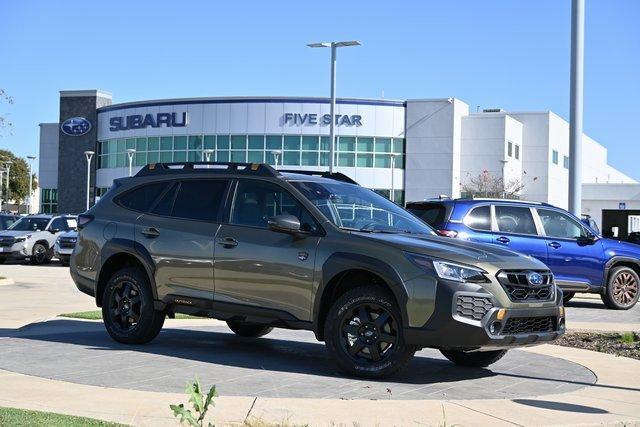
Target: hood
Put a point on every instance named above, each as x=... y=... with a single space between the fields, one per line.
x=72 y=233
x=464 y=252
x=618 y=247
x=17 y=233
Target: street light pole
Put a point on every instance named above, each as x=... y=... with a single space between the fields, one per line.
x=1 y=181
x=31 y=159
x=333 y=46
x=504 y=181
x=207 y=152
x=393 y=187
x=88 y=155
x=276 y=154
x=575 y=113
x=130 y=153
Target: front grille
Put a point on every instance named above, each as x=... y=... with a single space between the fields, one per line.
x=7 y=241
x=67 y=243
x=473 y=307
x=516 y=284
x=529 y=325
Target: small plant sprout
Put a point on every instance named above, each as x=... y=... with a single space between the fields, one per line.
x=200 y=403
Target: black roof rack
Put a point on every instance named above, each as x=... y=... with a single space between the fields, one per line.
x=324 y=174
x=258 y=169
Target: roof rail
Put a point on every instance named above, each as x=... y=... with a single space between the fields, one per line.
x=256 y=169
x=324 y=174
x=501 y=199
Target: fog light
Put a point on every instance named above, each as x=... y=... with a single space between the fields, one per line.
x=494 y=328
x=501 y=314
x=561 y=324
x=561 y=311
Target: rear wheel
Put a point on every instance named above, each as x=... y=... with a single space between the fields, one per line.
x=622 y=290
x=363 y=332
x=477 y=359
x=127 y=308
x=39 y=254
x=567 y=296
x=249 y=330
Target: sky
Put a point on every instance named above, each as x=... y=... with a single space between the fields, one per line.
x=513 y=55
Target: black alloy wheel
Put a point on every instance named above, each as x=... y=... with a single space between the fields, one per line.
x=125 y=306
x=363 y=332
x=369 y=333
x=39 y=254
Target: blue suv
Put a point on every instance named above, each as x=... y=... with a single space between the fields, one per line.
x=579 y=257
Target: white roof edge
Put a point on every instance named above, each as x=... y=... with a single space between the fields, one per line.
x=90 y=92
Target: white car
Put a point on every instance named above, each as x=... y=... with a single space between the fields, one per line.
x=34 y=236
x=64 y=246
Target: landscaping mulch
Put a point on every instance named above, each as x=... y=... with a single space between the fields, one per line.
x=627 y=344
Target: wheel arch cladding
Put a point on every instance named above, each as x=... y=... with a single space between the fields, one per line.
x=344 y=271
x=120 y=253
x=620 y=261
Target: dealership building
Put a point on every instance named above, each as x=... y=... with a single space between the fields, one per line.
x=419 y=148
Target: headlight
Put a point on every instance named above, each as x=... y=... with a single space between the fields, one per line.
x=449 y=270
x=22 y=239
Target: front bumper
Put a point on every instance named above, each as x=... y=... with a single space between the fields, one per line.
x=15 y=251
x=447 y=328
x=62 y=252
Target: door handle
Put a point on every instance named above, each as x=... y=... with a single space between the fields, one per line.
x=150 y=232
x=503 y=239
x=555 y=245
x=228 y=242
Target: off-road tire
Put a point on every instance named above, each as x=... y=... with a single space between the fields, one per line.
x=39 y=254
x=567 y=296
x=339 y=340
x=622 y=290
x=149 y=321
x=248 y=330
x=476 y=359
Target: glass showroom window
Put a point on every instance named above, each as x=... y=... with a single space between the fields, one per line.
x=554 y=157
x=306 y=150
x=49 y=202
x=566 y=162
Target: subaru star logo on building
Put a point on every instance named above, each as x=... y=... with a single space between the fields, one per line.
x=76 y=126
x=535 y=279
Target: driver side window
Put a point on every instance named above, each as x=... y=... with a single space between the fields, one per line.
x=59 y=224
x=255 y=202
x=560 y=225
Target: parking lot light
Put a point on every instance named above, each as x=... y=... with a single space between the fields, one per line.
x=130 y=153
x=206 y=154
x=88 y=155
x=276 y=154
x=31 y=159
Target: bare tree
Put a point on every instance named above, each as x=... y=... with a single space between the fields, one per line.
x=487 y=185
x=4 y=121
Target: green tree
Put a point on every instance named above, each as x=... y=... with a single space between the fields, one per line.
x=18 y=177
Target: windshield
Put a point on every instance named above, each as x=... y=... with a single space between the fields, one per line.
x=30 y=224
x=353 y=207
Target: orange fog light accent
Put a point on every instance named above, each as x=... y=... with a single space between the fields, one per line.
x=501 y=314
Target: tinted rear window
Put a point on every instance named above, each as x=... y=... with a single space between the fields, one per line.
x=479 y=218
x=199 y=199
x=141 y=199
x=433 y=214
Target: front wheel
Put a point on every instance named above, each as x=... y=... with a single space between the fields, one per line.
x=248 y=330
x=621 y=292
x=39 y=254
x=127 y=308
x=476 y=359
x=363 y=332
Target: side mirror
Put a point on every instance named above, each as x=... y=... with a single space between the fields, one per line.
x=586 y=240
x=284 y=223
x=53 y=230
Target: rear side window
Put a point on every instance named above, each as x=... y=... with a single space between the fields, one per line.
x=165 y=204
x=199 y=199
x=141 y=199
x=433 y=214
x=515 y=219
x=479 y=218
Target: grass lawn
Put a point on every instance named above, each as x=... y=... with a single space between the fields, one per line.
x=97 y=315
x=21 y=417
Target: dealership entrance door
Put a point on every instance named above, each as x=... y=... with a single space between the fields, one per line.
x=618 y=223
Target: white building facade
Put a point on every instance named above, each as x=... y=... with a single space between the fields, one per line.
x=430 y=146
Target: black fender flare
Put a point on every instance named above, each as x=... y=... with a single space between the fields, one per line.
x=612 y=261
x=135 y=249
x=340 y=262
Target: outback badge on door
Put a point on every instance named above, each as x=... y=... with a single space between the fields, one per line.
x=302 y=256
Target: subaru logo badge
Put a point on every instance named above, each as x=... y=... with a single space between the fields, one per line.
x=535 y=279
x=76 y=126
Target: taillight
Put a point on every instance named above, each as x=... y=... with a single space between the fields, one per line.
x=447 y=233
x=83 y=220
